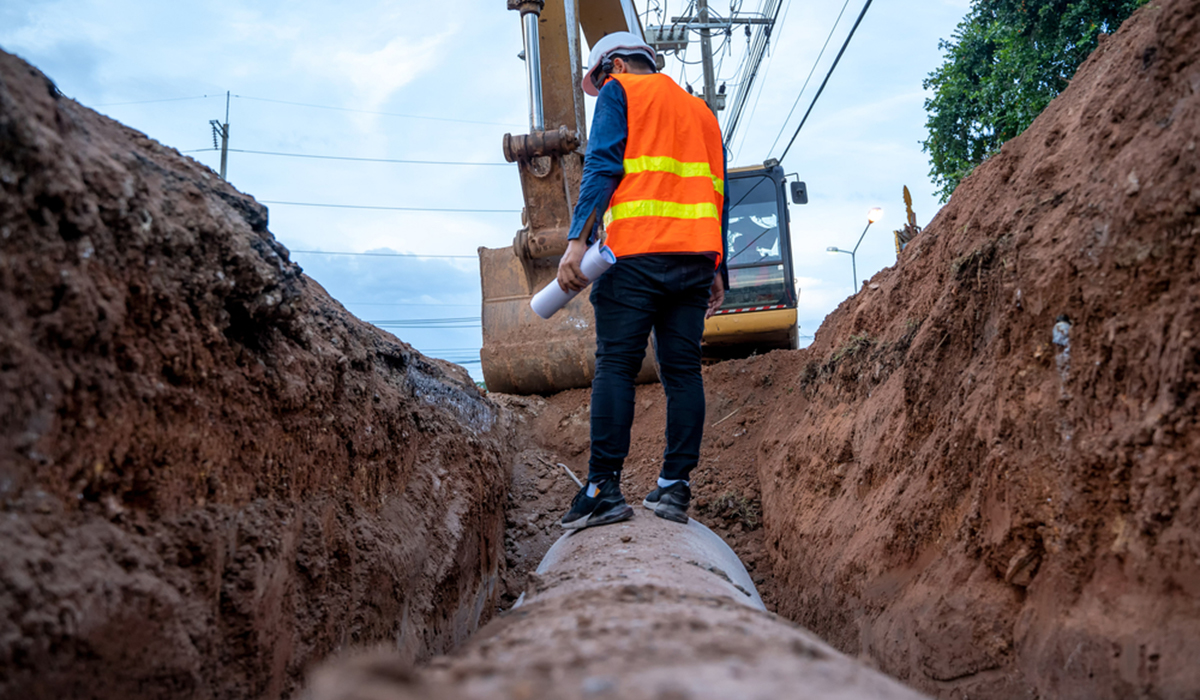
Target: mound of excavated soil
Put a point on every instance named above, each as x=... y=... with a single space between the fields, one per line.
x=984 y=475
x=211 y=475
x=985 y=472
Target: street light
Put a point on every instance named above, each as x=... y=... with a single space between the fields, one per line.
x=875 y=214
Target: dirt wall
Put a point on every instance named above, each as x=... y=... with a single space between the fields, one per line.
x=985 y=472
x=211 y=475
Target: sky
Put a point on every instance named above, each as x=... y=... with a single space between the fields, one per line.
x=443 y=82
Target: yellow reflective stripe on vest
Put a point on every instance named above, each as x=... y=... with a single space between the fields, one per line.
x=666 y=164
x=657 y=207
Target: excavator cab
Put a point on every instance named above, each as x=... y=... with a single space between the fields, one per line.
x=759 y=312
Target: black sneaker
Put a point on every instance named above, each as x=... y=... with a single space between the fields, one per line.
x=608 y=506
x=670 y=502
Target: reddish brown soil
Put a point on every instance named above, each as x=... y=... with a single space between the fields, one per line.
x=211 y=475
x=982 y=510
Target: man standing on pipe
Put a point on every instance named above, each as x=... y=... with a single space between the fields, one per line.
x=655 y=174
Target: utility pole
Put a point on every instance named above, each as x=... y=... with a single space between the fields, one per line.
x=706 y=57
x=663 y=38
x=222 y=130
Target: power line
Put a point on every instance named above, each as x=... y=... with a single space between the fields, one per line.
x=755 y=51
x=427 y=321
x=386 y=255
x=804 y=87
x=365 y=111
x=425 y=326
x=399 y=303
x=146 y=102
x=364 y=206
x=827 y=77
x=314 y=106
x=238 y=150
x=435 y=323
x=367 y=160
x=744 y=93
x=428 y=326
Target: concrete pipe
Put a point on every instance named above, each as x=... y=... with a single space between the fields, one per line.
x=642 y=609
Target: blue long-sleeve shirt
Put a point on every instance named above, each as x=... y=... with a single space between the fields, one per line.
x=604 y=166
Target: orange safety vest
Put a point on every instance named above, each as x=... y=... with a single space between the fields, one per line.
x=670 y=199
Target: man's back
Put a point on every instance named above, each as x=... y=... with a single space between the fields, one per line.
x=681 y=122
x=671 y=195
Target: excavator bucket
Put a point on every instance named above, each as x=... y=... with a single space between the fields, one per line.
x=522 y=352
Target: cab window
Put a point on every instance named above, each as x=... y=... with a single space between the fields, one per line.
x=756 y=273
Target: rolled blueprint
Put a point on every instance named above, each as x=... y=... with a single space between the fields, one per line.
x=596 y=260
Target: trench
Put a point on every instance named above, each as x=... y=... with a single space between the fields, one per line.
x=644 y=608
x=214 y=480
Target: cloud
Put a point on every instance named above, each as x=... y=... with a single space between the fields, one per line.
x=16 y=14
x=819 y=296
x=376 y=74
x=384 y=290
x=74 y=63
x=394 y=279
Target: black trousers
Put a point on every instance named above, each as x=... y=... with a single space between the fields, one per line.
x=669 y=295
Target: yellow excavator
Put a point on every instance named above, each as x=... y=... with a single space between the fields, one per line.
x=525 y=354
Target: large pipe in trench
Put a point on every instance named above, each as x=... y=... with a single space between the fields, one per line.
x=643 y=609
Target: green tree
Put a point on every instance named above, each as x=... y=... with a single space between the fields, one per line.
x=1006 y=61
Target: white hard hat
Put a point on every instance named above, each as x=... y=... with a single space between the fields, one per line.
x=617 y=42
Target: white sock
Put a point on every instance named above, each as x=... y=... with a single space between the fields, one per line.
x=593 y=489
x=664 y=483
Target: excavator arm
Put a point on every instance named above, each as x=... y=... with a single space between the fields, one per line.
x=522 y=353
